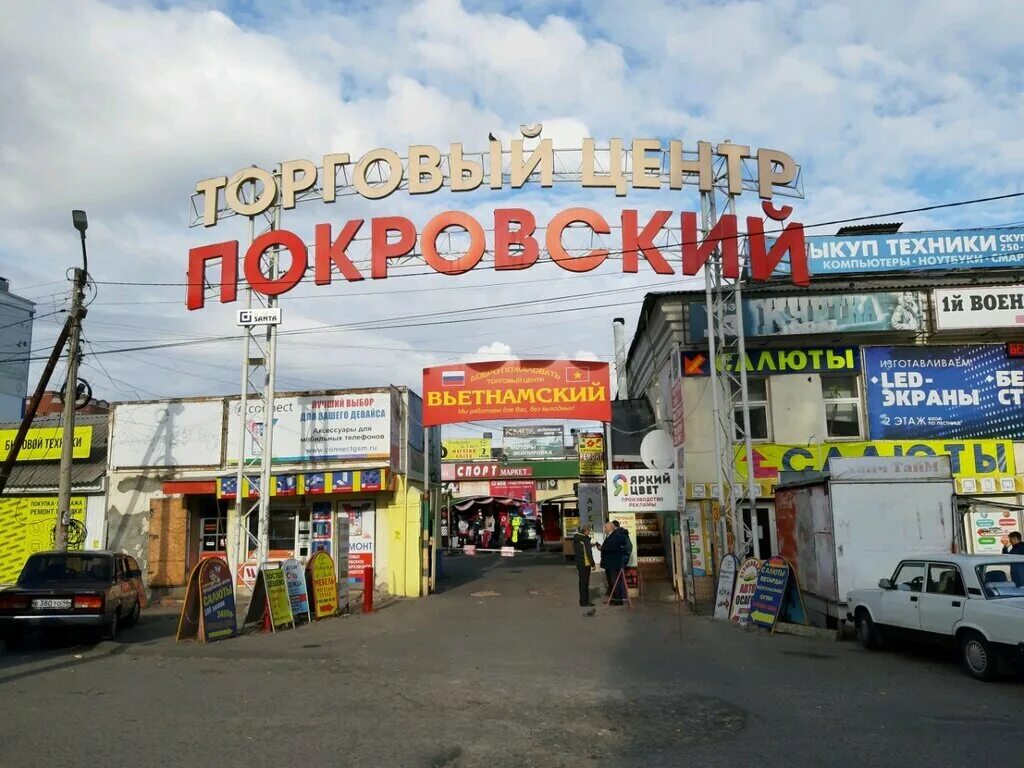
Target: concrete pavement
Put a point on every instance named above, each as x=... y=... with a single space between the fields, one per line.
x=501 y=669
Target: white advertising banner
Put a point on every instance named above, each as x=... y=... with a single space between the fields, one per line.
x=979 y=307
x=167 y=434
x=319 y=427
x=642 y=490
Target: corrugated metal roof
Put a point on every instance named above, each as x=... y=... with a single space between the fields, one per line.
x=85 y=473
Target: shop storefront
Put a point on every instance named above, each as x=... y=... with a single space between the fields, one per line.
x=28 y=507
x=174 y=496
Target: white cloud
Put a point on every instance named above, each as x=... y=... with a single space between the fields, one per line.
x=121 y=108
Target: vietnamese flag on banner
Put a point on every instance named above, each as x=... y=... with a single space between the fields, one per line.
x=517 y=389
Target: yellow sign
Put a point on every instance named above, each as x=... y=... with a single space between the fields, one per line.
x=26 y=526
x=590 y=450
x=46 y=443
x=320 y=571
x=466 y=448
x=970 y=458
x=277 y=597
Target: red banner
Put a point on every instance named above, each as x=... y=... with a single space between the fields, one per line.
x=516 y=389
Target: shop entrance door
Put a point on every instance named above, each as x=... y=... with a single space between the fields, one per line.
x=762 y=530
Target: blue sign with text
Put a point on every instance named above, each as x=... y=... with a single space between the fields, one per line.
x=941 y=392
x=915 y=251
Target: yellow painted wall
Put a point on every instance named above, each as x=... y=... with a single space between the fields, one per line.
x=399 y=529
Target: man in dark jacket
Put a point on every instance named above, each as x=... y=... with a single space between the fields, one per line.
x=583 y=549
x=1012 y=545
x=613 y=560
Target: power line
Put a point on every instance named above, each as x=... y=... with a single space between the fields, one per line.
x=737 y=236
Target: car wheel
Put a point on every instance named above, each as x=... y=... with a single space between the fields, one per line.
x=867 y=632
x=133 y=617
x=979 y=657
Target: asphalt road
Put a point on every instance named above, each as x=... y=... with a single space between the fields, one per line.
x=502 y=669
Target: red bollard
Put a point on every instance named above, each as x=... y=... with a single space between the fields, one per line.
x=368 y=589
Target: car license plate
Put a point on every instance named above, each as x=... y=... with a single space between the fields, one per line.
x=52 y=603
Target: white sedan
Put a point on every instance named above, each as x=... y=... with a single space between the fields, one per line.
x=973 y=601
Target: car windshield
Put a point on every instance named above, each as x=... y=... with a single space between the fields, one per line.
x=1002 y=579
x=58 y=567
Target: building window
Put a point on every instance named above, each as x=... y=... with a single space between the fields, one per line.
x=757 y=398
x=842 y=407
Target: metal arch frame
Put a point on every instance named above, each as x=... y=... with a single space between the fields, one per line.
x=720 y=294
x=567 y=169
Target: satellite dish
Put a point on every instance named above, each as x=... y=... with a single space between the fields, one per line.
x=657 y=451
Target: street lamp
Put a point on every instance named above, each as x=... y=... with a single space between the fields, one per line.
x=81 y=222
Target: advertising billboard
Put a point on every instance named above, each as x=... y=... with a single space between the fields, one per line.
x=936 y=392
x=916 y=251
x=776 y=361
x=357 y=425
x=167 y=434
x=516 y=389
x=26 y=526
x=46 y=443
x=533 y=442
x=641 y=490
x=465 y=448
x=973 y=458
x=979 y=307
x=801 y=314
x=590 y=450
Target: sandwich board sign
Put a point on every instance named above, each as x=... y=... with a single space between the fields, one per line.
x=726 y=584
x=776 y=596
x=270 y=597
x=208 y=612
x=322 y=585
x=295 y=579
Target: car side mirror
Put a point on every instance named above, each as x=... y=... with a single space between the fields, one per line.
x=885 y=583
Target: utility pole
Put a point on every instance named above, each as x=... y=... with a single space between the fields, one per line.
x=71 y=391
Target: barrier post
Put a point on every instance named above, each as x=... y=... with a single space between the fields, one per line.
x=368 y=589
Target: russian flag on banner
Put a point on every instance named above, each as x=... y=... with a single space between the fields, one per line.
x=453 y=378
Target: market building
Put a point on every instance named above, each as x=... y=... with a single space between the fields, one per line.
x=922 y=362
x=28 y=507
x=173 y=495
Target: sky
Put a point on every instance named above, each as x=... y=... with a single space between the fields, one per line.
x=119 y=108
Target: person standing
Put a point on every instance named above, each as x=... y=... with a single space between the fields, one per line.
x=1013 y=545
x=583 y=549
x=613 y=553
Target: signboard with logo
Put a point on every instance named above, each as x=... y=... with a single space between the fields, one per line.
x=590 y=450
x=533 y=442
x=987 y=526
x=483 y=470
x=26 y=526
x=46 y=443
x=802 y=314
x=322 y=585
x=935 y=392
x=641 y=490
x=295 y=579
x=516 y=389
x=362 y=522
x=356 y=425
x=774 y=362
x=726 y=585
x=972 y=308
x=746 y=582
x=465 y=448
x=916 y=251
x=970 y=458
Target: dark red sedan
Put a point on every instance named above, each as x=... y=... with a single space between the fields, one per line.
x=94 y=591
